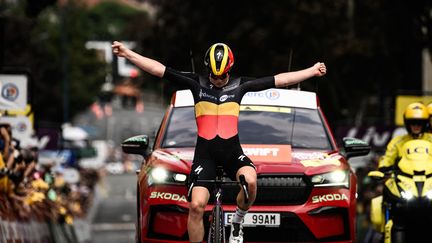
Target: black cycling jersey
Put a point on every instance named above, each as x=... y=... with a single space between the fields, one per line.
x=216 y=113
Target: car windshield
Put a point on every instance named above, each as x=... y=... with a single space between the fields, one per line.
x=301 y=128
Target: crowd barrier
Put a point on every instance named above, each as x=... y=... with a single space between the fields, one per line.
x=36 y=232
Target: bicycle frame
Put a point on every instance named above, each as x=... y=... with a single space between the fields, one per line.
x=217 y=218
x=217 y=224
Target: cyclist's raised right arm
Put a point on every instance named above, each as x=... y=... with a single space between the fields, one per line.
x=148 y=65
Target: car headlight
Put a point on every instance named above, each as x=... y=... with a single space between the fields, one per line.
x=334 y=178
x=159 y=175
x=407 y=195
x=429 y=195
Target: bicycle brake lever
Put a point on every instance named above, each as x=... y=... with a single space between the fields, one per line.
x=244 y=185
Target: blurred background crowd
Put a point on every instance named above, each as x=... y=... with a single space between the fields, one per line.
x=46 y=191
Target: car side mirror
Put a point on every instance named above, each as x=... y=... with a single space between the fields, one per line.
x=376 y=175
x=136 y=145
x=355 y=147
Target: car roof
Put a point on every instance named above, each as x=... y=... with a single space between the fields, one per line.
x=272 y=97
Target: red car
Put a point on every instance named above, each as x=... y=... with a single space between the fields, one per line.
x=306 y=188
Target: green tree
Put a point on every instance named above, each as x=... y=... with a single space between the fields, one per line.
x=112 y=21
x=59 y=53
x=50 y=42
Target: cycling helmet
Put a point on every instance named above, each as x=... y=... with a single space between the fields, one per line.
x=219 y=59
x=416 y=113
x=429 y=108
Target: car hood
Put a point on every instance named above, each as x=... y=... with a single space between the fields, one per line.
x=266 y=159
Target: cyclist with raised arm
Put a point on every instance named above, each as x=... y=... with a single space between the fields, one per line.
x=217 y=100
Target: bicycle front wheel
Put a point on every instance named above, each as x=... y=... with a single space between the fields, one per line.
x=217 y=230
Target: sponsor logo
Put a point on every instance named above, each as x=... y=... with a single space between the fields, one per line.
x=205 y=95
x=168 y=196
x=10 y=92
x=230 y=86
x=304 y=156
x=241 y=157
x=268 y=152
x=261 y=151
x=272 y=94
x=21 y=127
x=225 y=97
x=329 y=198
x=255 y=94
x=269 y=94
x=218 y=194
x=137 y=139
x=219 y=55
x=418 y=150
x=355 y=141
x=199 y=169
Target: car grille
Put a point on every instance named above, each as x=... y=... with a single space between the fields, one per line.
x=291 y=229
x=273 y=189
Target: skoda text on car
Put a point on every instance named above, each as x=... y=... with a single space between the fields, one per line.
x=306 y=189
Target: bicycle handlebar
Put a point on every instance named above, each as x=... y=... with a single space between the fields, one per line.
x=242 y=180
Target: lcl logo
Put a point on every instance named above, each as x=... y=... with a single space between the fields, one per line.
x=418 y=150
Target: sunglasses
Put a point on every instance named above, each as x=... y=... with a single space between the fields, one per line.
x=219 y=76
x=417 y=122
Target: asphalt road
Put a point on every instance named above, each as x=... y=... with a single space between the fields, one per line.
x=115 y=216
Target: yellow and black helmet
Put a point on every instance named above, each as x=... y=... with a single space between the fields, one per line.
x=416 y=113
x=219 y=59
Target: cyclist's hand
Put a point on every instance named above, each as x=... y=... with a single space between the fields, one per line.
x=319 y=69
x=119 y=49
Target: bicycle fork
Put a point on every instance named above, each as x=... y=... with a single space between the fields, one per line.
x=217 y=228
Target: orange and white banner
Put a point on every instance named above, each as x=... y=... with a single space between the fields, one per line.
x=268 y=152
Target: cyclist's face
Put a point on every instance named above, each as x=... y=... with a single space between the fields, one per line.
x=416 y=128
x=219 y=81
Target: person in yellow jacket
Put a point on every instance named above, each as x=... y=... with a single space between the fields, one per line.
x=5 y=183
x=416 y=120
x=429 y=109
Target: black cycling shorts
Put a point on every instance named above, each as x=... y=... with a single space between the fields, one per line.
x=211 y=153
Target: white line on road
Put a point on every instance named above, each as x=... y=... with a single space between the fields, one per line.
x=113 y=227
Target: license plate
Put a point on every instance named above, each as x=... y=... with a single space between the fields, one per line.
x=256 y=219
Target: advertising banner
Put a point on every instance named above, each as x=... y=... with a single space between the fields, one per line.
x=22 y=127
x=13 y=88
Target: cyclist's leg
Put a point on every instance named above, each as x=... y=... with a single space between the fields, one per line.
x=200 y=197
x=239 y=164
x=242 y=165
x=205 y=169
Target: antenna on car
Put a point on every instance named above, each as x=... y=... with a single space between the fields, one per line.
x=290 y=59
x=298 y=88
x=192 y=60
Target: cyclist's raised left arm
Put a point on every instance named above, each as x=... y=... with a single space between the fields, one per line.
x=148 y=65
x=290 y=78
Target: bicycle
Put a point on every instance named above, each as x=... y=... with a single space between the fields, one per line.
x=217 y=224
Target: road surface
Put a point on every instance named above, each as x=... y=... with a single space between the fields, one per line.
x=115 y=216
